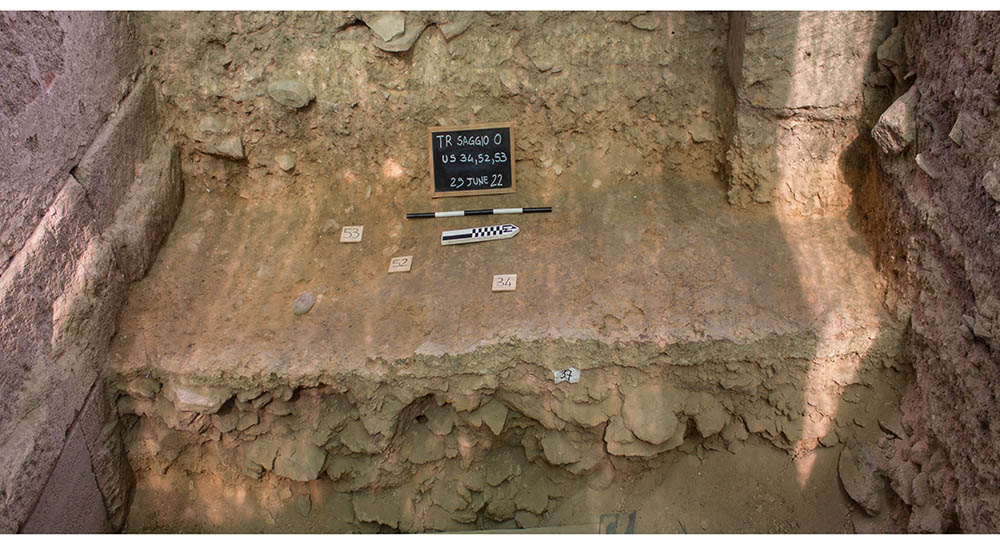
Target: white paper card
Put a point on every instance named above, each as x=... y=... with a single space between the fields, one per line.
x=351 y=234
x=401 y=264
x=570 y=374
x=504 y=282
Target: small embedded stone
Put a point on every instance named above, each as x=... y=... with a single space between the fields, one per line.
x=957 y=132
x=303 y=303
x=646 y=21
x=402 y=43
x=286 y=161
x=456 y=26
x=925 y=164
x=290 y=93
x=701 y=130
x=991 y=182
x=231 y=147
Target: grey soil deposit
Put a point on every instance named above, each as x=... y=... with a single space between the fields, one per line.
x=772 y=259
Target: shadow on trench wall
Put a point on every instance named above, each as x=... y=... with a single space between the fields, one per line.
x=799 y=45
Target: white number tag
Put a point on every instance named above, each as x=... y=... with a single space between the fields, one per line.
x=570 y=374
x=351 y=234
x=504 y=282
x=401 y=264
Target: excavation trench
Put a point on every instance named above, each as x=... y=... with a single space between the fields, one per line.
x=771 y=259
x=702 y=268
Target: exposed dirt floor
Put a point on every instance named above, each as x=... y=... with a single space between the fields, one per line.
x=762 y=342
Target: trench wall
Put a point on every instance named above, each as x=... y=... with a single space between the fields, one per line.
x=933 y=204
x=806 y=92
x=88 y=191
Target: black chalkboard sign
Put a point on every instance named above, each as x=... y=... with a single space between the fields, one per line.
x=471 y=159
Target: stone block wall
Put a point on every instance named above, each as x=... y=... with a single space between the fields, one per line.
x=934 y=206
x=87 y=195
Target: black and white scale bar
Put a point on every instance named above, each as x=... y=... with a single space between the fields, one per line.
x=468 y=212
x=474 y=235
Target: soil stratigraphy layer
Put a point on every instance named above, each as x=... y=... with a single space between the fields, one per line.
x=430 y=400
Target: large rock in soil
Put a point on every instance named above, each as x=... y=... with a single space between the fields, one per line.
x=858 y=474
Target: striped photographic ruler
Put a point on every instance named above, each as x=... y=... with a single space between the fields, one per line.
x=475 y=235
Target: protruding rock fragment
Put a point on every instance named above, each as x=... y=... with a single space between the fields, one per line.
x=559 y=448
x=920 y=489
x=533 y=495
x=924 y=162
x=991 y=182
x=247 y=420
x=286 y=161
x=957 y=131
x=926 y=520
x=891 y=53
x=230 y=146
x=290 y=93
x=421 y=445
x=357 y=439
x=510 y=83
x=502 y=466
x=858 y=470
x=196 y=399
x=901 y=476
x=143 y=387
x=526 y=520
x=621 y=442
x=709 y=415
x=494 y=414
x=261 y=451
x=445 y=494
x=403 y=42
x=216 y=137
x=303 y=303
x=441 y=419
x=650 y=411
x=897 y=128
x=225 y=422
x=457 y=24
x=386 y=25
x=299 y=460
x=701 y=130
x=646 y=21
